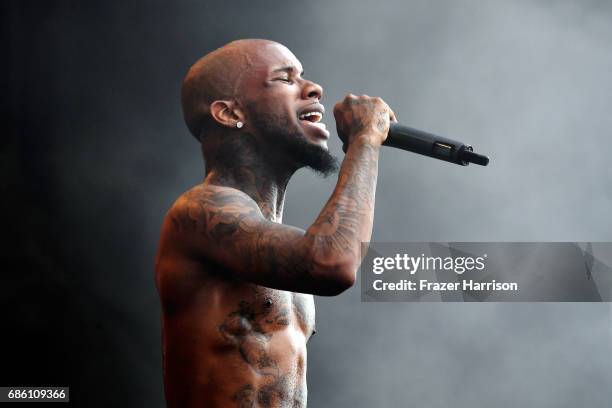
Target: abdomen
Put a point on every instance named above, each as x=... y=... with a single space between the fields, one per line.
x=235 y=344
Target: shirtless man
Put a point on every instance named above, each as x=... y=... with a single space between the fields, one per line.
x=235 y=283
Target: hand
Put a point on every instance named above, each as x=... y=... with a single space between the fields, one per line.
x=363 y=117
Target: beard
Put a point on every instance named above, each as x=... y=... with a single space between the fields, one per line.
x=288 y=138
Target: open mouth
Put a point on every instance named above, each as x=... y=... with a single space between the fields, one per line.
x=311 y=117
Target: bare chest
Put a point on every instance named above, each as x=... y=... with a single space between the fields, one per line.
x=267 y=310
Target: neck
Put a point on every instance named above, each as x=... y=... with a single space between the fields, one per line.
x=240 y=160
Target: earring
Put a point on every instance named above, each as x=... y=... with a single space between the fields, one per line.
x=239 y=124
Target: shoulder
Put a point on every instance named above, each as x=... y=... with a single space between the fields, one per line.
x=213 y=198
x=204 y=206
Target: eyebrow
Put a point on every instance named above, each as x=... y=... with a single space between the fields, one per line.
x=288 y=69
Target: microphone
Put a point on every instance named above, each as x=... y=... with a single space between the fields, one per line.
x=427 y=144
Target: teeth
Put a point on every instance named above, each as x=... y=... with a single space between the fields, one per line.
x=308 y=114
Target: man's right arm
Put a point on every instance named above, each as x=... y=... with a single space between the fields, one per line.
x=226 y=226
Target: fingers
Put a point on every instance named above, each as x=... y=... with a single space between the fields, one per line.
x=392 y=116
x=349 y=97
x=354 y=114
x=337 y=108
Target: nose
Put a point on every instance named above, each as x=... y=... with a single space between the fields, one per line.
x=312 y=90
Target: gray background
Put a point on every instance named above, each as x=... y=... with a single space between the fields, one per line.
x=97 y=151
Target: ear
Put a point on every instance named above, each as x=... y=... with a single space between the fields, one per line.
x=226 y=112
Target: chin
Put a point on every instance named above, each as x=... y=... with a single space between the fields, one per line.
x=323 y=145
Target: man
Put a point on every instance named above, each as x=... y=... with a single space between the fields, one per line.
x=236 y=284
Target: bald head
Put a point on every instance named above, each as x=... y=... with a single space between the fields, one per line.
x=246 y=101
x=219 y=75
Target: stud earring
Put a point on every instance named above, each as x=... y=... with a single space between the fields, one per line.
x=239 y=125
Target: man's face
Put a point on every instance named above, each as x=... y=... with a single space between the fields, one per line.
x=284 y=109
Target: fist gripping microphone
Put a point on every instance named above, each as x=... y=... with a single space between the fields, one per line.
x=438 y=147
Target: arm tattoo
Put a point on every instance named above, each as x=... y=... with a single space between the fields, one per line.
x=346 y=220
x=234 y=224
x=231 y=219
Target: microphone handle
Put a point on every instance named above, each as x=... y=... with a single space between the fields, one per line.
x=427 y=144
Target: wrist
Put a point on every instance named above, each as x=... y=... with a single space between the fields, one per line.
x=370 y=133
x=366 y=140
